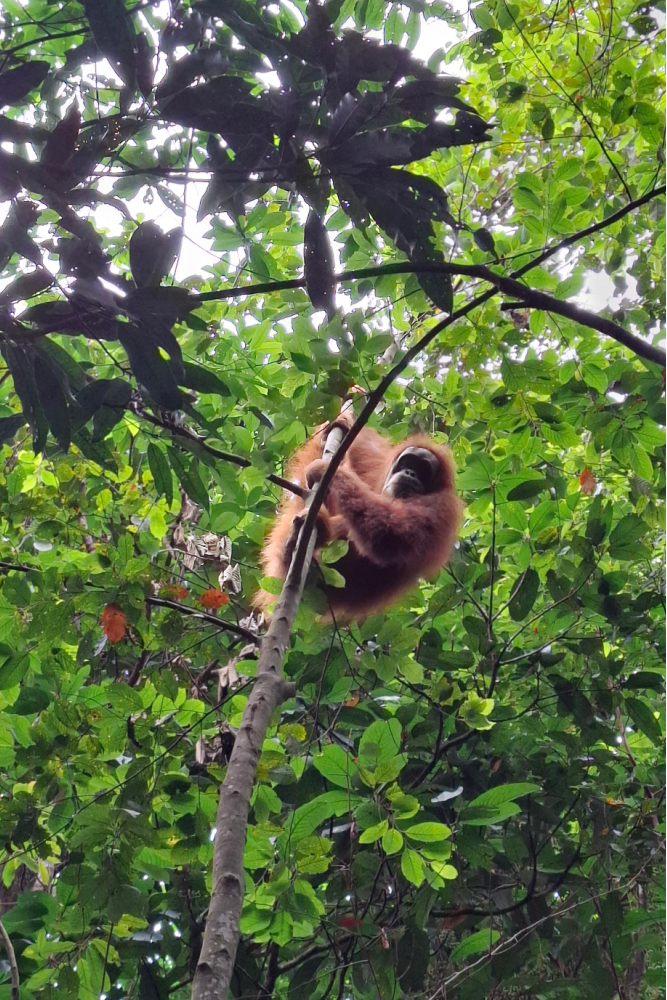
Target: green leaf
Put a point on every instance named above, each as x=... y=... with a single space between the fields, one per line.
x=429 y=833
x=524 y=597
x=640 y=462
x=595 y=377
x=13 y=670
x=381 y=741
x=335 y=765
x=475 y=943
x=187 y=473
x=161 y=472
x=644 y=719
x=392 y=842
x=412 y=867
x=202 y=379
x=528 y=489
x=504 y=793
x=627 y=532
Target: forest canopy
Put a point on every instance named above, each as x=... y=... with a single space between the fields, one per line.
x=219 y=220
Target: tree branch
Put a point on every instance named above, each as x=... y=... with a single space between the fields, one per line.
x=221 y=936
x=224 y=456
x=507 y=284
x=162 y=602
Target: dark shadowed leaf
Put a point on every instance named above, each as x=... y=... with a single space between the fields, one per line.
x=161 y=472
x=53 y=402
x=17 y=83
x=484 y=240
x=144 y=64
x=113 y=32
x=318 y=265
x=149 y=367
x=152 y=253
x=23 y=373
x=202 y=379
x=526 y=491
x=645 y=720
x=524 y=597
x=62 y=141
x=116 y=398
x=10 y=425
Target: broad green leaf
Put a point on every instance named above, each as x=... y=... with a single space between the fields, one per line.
x=187 y=473
x=381 y=741
x=429 y=833
x=525 y=595
x=504 y=793
x=335 y=765
x=413 y=867
x=475 y=943
x=160 y=471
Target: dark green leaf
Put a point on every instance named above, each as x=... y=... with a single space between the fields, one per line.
x=149 y=367
x=484 y=240
x=30 y=701
x=202 y=379
x=187 y=473
x=645 y=720
x=17 y=83
x=153 y=253
x=53 y=402
x=161 y=472
x=318 y=265
x=10 y=425
x=116 y=398
x=529 y=489
x=644 y=679
x=524 y=597
x=113 y=32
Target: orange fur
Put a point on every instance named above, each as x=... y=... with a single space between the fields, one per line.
x=392 y=542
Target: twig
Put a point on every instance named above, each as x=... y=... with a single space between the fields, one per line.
x=7 y=567
x=222 y=623
x=224 y=456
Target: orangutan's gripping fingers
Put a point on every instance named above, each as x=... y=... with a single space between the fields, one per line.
x=315 y=471
x=321 y=527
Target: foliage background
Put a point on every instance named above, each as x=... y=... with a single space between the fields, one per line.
x=466 y=797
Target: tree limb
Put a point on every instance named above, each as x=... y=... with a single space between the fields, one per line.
x=224 y=456
x=162 y=602
x=508 y=284
x=221 y=936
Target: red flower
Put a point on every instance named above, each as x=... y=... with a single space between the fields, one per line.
x=213 y=598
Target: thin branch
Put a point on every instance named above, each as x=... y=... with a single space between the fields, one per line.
x=162 y=602
x=7 y=567
x=609 y=220
x=224 y=456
